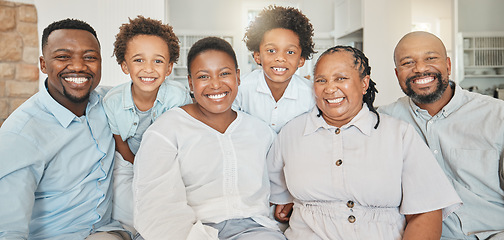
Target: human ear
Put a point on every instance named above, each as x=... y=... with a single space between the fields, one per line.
x=42 y=64
x=170 y=69
x=238 y=76
x=257 y=58
x=124 y=68
x=301 y=62
x=189 y=81
x=365 y=84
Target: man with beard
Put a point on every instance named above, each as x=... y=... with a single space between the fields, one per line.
x=57 y=150
x=464 y=130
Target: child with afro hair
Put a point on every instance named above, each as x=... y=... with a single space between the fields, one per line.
x=146 y=50
x=280 y=39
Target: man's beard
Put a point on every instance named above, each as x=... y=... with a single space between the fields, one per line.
x=75 y=99
x=428 y=98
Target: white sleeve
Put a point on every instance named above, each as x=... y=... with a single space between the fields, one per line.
x=160 y=206
x=279 y=192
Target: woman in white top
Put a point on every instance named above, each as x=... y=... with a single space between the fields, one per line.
x=351 y=173
x=200 y=172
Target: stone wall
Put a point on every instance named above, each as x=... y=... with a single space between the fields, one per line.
x=19 y=52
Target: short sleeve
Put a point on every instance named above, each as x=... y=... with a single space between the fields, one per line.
x=425 y=186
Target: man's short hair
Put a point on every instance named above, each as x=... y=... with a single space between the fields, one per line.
x=66 y=24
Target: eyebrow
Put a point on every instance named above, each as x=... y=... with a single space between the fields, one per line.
x=68 y=50
x=274 y=45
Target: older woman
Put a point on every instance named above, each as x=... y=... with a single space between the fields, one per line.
x=351 y=173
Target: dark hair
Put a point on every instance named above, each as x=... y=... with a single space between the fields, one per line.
x=209 y=43
x=66 y=24
x=364 y=69
x=145 y=26
x=280 y=17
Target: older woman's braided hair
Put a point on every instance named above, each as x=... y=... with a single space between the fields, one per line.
x=364 y=69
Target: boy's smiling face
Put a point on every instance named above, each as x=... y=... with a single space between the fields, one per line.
x=279 y=55
x=147 y=61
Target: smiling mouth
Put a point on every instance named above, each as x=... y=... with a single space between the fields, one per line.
x=424 y=80
x=217 y=96
x=335 y=100
x=279 y=69
x=77 y=80
x=147 y=79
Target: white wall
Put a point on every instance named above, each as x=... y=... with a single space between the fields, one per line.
x=385 y=22
x=105 y=17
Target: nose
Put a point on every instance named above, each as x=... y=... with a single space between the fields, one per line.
x=280 y=57
x=148 y=67
x=420 y=66
x=77 y=64
x=331 y=87
x=215 y=82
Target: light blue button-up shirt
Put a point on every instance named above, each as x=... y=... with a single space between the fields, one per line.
x=55 y=174
x=255 y=98
x=120 y=107
x=467 y=139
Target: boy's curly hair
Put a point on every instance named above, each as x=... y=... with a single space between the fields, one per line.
x=281 y=17
x=145 y=26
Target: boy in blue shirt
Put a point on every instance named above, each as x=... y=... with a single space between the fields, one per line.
x=281 y=40
x=146 y=50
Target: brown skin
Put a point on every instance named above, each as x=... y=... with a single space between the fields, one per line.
x=71 y=53
x=213 y=73
x=279 y=48
x=424 y=226
x=419 y=53
x=146 y=57
x=283 y=212
x=123 y=148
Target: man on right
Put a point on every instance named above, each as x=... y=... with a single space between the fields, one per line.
x=464 y=130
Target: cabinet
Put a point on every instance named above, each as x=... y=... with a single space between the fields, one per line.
x=347 y=17
x=483 y=55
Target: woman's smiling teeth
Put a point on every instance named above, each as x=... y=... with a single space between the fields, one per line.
x=424 y=80
x=217 y=96
x=77 y=80
x=335 y=100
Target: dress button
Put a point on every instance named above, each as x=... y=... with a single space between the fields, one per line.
x=350 y=204
x=339 y=162
x=351 y=219
x=337 y=131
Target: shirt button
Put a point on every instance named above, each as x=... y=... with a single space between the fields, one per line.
x=351 y=219
x=337 y=131
x=350 y=204
x=339 y=162
x=436 y=151
x=135 y=123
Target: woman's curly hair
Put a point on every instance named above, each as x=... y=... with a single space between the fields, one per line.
x=145 y=26
x=281 y=17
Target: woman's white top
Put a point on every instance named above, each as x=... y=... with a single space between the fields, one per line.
x=187 y=173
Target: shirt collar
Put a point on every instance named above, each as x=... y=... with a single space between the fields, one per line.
x=61 y=113
x=449 y=108
x=365 y=120
x=128 y=97
x=128 y=102
x=289 y=91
